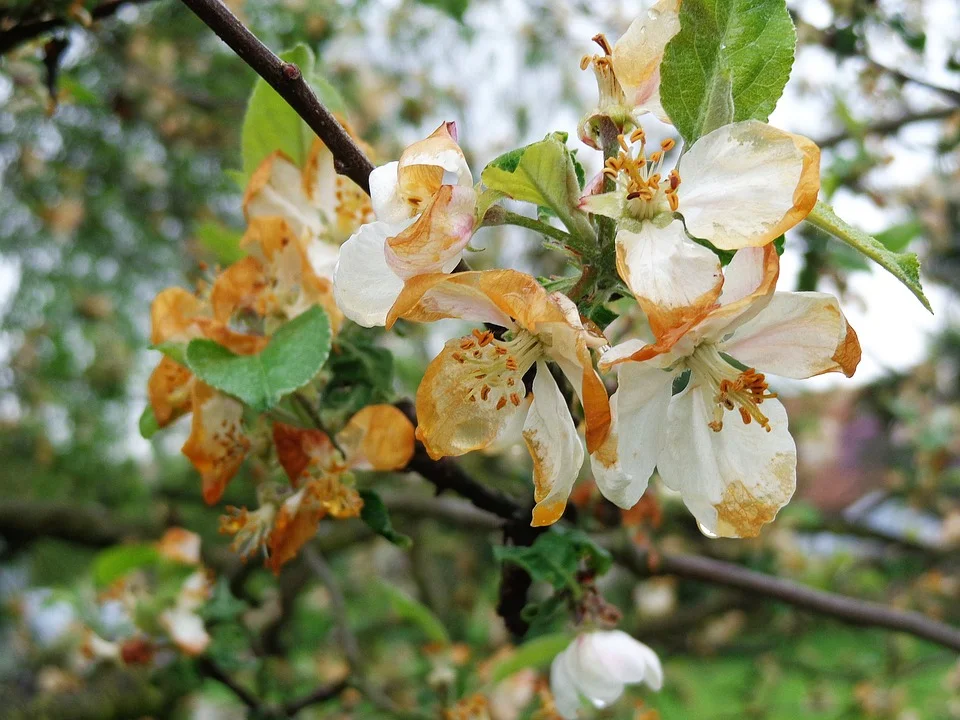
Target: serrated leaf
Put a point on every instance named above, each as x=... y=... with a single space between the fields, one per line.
x=148 y=423
x=294 y=355
x=377 y=517
x=727 y=50
x=115 y=562
x=416 y=612
x=538 y=654
x=903 y=266
x=543 y=174
x=555 y=558
x=221 y=241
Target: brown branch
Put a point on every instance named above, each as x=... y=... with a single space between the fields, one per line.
x=319 y=695
x=901 y=77
x=23 y=32
x=845 y=609
x=887 y=127
x=210 y=669
x=289 y=83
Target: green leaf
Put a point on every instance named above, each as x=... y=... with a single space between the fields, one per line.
x=729 y=62
x=222 y=606
x=416 y=612
x=148 y=423
x=903 y=266
x=538 y=654
x=555 y=558
x=453 y=8
x=360 y=374
x=295 y=354
x=543 y=174
x=220 y=240
x=175 y=351
x=115 y=562
x=377 y=517
x=897 y=237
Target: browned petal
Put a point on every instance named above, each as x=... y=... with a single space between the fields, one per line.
x=380 y=436
x=261 y=176
x=172 y=314
x=180 y=545
x=596 y=409
x=217 y=445
x=848 y=351
x=292 y=532
x=298 y=449
x=806 y=192
x=438 y=296
x=168 y=390
x=266 y=236
x=418 y=175
x=242 y=286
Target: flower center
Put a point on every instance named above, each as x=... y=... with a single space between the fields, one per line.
x=647 y=192
x=496 y=367
x=732 y=389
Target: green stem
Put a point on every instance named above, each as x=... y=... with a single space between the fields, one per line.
x=506 y=217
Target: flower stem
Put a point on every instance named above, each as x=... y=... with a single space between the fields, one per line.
x=506 y=217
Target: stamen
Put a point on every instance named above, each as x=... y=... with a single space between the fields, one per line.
x=601 y=40
x=668 y=145
x=732 y=389
x=495 y=366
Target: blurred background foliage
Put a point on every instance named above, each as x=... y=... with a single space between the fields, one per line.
x=118 y=144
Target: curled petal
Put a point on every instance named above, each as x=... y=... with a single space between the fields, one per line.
x=491 y=296
x=389 y=205
x=733 y=481
x=294 y=527
x=173 y=316
x=216 y=445
x=675 y=280
x=747 y=183
x=623 y=658
x=276 y=189
x=168 y=390
x=563 y=687
x=435 y=241
x=423 y=165
x=554 y=445
x=303 y=451
x=363 y=284
x=797 y=335
x=379 y=437
x=242 y=286
x=639 y=51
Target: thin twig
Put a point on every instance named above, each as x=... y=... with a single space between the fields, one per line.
x=901 y=77
x=208 y=667
x=845 y=609
x=887 y=127
x=314 y=697
x=290 y=84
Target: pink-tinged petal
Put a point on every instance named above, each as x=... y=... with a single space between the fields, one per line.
x=555 y=447
x=364 y=286
x=458 y=411
x=733 y=481
x=424 y=164
x=637 y=55
x=627 y=660
x=797 y=335
x=435 y=241
x=745 y=184
x=674 y=279
x=389 y=204
x=623 y=465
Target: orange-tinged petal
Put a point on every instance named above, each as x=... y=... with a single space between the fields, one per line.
x=303 y=451
x=436 y=240
x=180 y=545
x=242 y=286
x=343 y=203
x=438 y=296
x=217 y=445
x=380 y=437
x=422 y=166
x=168 y=390
x=173 y=315
x=295 y=526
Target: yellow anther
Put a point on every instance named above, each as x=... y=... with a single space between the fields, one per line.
x=585 y=62
x=656 y=156
x=668 y=144
x=601 y=40
x=638 y=135
x=623 y=143
x=674 y=201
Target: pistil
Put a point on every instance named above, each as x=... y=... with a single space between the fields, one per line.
x=732 y=389
x=497 y=367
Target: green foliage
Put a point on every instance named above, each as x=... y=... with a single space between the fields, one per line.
x=377 y=517
x=360 y=373
x=544 y=174
x=414 y=611
x=537 y=653
x=148 y=424
x=222 y=606
x=295 y=354
x=556 y=556
x=453 y=8
x=115 y=562
x=903 y=266
x=729 y=62
x=175 y=351
x=221 y=241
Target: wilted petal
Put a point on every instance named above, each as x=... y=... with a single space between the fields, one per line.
x=180 y=545
x=186 y=630
x=675 y=280
x=379 y=437
x=608 y=204
x=242 y=286
x=797 y=335
x=637 y=55
x=303 y=451
x=295 y=525
x=388 y=203
x=364 y=285
x=276 y=189
x=622 y=468
x=168 y=390
x=216 y=445
x=733 y=481
x=491 y=296
x=435 y=241
x=423 y=165
x=455 y=414
x=555 y=447
x=173 y=316
x=747 y=183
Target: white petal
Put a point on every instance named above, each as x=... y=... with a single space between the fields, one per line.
x=673 y=278
x=628 y=660
x=566 y=698
x=282 y=195
x=554 y=445
x=593 y=677
x=637 y=54
x=364 y=287
x=745 y=184
x=797 y=335
x=323 y=258
x=186 y=630
x=639 y=407
x=388 y=205
x=733 y=481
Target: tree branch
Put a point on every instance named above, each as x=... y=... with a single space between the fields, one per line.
x=289 y=83
x=23 y=32
x=887 y=127
x=845 y=609
x=209 y=668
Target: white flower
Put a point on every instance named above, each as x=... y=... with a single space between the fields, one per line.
x=597 y=666
x=734 y=471
x=423 y=224
x=181 y=621
x=743 y=185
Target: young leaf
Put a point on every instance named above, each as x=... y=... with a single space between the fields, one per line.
x=903 y=266
x=538 y=653
x=148 y=423
x=543 y=174
x=555 y=558
x=295 y=354
x=416 y=612
x=377 y=517
x=220 y=240
x=174 y=351
x=729 y=62
x=115 y=562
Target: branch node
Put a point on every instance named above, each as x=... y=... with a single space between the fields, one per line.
x=291 y=71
